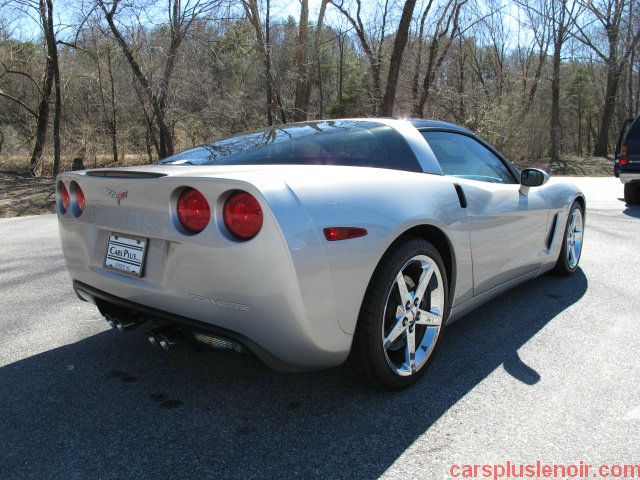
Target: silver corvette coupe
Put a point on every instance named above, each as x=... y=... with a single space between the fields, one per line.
x=315 y=244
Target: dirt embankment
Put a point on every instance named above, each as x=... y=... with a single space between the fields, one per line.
x=21 y=194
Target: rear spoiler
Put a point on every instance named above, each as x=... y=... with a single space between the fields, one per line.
x=123 y=174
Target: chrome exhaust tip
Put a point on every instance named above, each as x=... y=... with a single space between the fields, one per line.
x=113 y=323
x=126 y=325
x=167 y=338
x=123 y=324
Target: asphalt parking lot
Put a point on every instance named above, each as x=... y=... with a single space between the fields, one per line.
x=549 y=371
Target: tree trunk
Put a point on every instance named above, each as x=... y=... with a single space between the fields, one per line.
x=114 y=111
x=43 y=107
x=613 y=80
x=637 y=108
x=301 y=102
x=460 y=90
x=148 y=144
x=418 y=62
x=304 y=83
x=579 y=121
x=267 y=32
x=42 y=122
x=340 y=71
x=165 y=145
x=253 y=14
x=55 y=67
x=374 y=63
x=399 y=45
x=437 y=55
x=554 y=131
x=630 y=87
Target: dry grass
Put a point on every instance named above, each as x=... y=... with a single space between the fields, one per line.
x=574 y=166
x=19 y=164
x=22 y=195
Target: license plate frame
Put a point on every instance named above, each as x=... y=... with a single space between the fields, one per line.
x=124 y=263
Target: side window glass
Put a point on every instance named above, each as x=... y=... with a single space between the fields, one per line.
x=462 y=156
x=633 y=140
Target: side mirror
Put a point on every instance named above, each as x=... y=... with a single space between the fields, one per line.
x=532 y=177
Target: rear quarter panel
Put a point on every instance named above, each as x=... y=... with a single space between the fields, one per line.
x=387 y=203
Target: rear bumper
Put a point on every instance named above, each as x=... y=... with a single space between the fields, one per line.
x=628 y=177
x=90 y=294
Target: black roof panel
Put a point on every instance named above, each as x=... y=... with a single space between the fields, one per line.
x=428 y=123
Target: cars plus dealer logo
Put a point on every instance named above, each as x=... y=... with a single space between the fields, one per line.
x=119 y=196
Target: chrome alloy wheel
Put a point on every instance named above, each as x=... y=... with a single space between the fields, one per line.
x=574 y=238
x=413 y=315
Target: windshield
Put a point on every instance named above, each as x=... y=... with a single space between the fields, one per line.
x=360 y=143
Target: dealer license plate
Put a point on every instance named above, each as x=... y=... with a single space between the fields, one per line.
x=126 y=254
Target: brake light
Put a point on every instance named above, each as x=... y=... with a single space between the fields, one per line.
x=79 y=197
x=242 y=215
x=343 y=233
x=193 y=210
x=623 y=155
x=63 y=198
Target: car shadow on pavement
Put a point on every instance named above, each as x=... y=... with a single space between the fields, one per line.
x=111 y=406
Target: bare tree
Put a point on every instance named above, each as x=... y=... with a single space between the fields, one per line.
x=42 y=10
x=373 y=58
x=383 y=104
x=446 y=28
x=609 y=15
x=304 y=79
x=399 y=45
x=53 y=70
x=562 y=14
x=253 y=14
x=107 y=91
x=161 y=76
x=540 y=25
x=9 y=71
x=180 y=18
x=300 y=102
x=267 y=32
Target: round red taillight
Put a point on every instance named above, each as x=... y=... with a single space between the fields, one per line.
x=193 y=210
x=80 y=200
x=63 y=198
x=242 y=215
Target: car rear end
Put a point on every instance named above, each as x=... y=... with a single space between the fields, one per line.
x=206 y=250
x=629 y=162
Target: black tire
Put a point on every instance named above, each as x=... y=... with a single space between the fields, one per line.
x=367 y=359
x=632 y=193
x=562 y=264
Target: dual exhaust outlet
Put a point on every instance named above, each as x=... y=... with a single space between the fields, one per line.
x=169 y=337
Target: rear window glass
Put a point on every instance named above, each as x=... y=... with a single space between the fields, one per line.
x=344 y=142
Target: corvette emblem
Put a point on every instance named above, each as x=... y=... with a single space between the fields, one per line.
x=118 y=196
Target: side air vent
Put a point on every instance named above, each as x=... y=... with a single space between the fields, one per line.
x=552 y=231
x=461 y=196
x=123 y=174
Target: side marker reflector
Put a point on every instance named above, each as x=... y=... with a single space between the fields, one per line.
x=343 y=233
